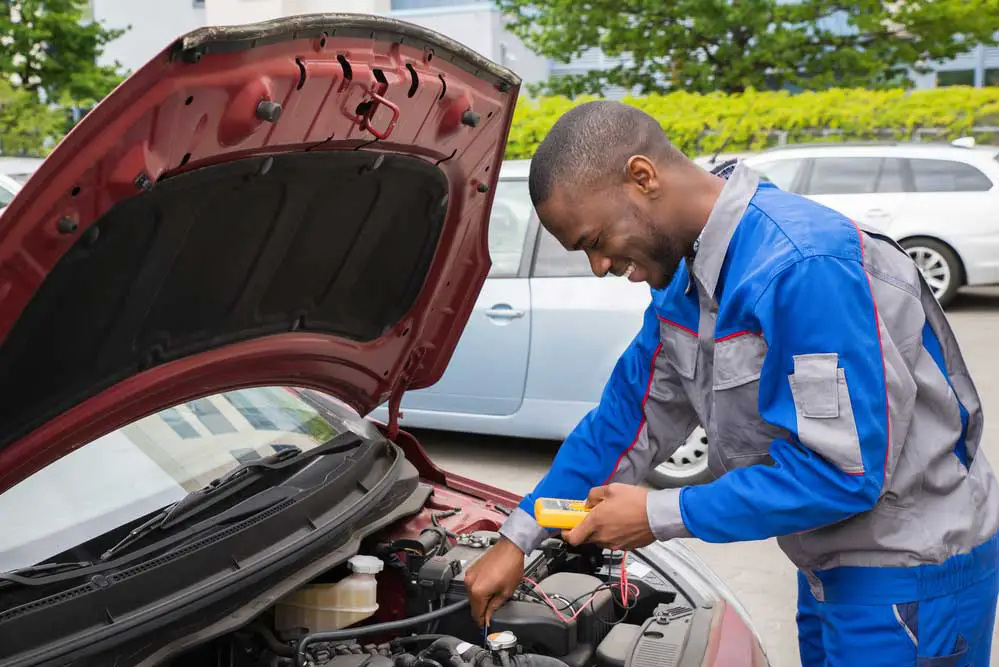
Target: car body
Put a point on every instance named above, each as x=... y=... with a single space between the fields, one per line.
x=258 y=237
x=541 y=341
x=19 y=169
x=939 y=201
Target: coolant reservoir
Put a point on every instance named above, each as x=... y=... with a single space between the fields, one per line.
x=324 y=607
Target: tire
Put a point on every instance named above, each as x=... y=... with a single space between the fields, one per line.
x=687 y=466
x=940 y=266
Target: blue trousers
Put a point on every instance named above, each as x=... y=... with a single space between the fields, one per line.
x=929 y=616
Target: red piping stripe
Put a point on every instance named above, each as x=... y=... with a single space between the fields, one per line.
x=641 y=424
x=737 y=334
x=677 y=325
x=884 y=366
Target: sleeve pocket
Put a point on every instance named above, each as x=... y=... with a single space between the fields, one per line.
x=825 y=416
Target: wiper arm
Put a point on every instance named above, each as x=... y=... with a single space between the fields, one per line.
x=24 y=576
x=226 y=485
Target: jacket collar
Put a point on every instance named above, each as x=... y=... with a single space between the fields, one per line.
x=712 y=244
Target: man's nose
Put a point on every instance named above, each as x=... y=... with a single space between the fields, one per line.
x=600 y=265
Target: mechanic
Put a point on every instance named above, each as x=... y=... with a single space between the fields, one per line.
x=841 y=416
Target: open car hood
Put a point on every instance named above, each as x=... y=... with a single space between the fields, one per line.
x=303 y=200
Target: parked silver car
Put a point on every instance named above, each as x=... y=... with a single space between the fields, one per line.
x=541 y=342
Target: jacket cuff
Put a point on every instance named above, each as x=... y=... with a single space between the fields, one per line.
x=665 y=516
x=522 y=529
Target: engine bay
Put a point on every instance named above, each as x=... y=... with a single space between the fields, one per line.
x=574 y=608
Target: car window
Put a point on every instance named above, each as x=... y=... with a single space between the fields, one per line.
x=134 y=471
x=554 y=261
x=5 y=196
x=930 y=175
x=781 y=173
x=892 y=176
x=508 y=220
x=843 y=175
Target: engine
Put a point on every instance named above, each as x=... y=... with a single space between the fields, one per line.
x=402 y=602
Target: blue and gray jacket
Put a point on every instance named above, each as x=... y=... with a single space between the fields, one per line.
x=840 y=414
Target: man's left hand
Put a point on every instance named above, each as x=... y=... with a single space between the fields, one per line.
x=617 y=519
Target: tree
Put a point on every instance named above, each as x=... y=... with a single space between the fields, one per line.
x=27 y=126
x=732 y=45
x=47 y=48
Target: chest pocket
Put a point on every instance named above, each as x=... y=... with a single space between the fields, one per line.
x=679 y=347
x=738 y=433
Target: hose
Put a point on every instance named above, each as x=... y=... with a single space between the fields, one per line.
x=301 y=659
x=273 y=643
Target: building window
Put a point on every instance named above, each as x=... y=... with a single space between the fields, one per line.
x=209 y=415
x=958 y=77
x=179 y=425
x=992 y=77
x=245 y=455
x=433 y=4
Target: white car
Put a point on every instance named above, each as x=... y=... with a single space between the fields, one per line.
x=19 y=169
x=939 y=201
x=8 y=188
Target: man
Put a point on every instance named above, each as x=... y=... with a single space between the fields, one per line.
x=840 y=414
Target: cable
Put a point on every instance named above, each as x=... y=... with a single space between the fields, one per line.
x=627 y=591
x=301 y=659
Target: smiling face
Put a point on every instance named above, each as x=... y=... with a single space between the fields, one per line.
x=635 y=227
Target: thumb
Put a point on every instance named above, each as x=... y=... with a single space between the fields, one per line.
x=581 y=532
x=596 y=496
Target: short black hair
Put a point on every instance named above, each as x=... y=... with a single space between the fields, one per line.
x=592 y=142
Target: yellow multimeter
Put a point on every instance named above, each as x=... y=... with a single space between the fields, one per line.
x=558 y=513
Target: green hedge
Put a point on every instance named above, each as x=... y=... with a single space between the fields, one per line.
x=699 y=124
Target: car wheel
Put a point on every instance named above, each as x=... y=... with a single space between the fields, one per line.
x=688 y=464
x=939 y=265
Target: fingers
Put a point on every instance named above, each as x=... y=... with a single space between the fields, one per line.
x=494 y=603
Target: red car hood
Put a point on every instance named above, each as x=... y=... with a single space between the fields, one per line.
x=300 y=201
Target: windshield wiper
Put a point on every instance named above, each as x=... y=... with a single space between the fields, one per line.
x=24 y=576
x=235 y=480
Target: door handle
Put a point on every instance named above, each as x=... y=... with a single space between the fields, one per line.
x=504 y=312
x=878 y=213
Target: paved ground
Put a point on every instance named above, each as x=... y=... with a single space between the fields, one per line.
x=758 y=572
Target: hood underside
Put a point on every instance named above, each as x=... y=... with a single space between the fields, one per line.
x=328 y=175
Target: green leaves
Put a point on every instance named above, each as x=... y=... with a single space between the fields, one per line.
x=27 y=127
x=48 y=64
x=50 y=50
x=734 y=45
x=702 y=123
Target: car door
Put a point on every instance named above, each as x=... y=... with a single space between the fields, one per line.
x=581 y=325
x=867 y=188
x=487 y=371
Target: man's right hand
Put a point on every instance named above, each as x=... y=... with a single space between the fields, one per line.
x=493 y=578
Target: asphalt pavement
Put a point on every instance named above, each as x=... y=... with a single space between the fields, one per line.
x=758 y=572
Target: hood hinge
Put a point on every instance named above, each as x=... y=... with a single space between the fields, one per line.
x=395 y=398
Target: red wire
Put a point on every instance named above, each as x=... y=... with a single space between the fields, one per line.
x=624 y=586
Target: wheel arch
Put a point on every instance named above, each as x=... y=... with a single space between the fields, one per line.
x=936 y=239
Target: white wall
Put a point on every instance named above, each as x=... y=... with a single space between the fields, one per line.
x=155 y=24
x=480 y=28
x=236 y=12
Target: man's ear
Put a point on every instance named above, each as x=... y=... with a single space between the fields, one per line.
x=642 y=174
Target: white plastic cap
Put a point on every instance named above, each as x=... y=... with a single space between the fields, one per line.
x=365 y=564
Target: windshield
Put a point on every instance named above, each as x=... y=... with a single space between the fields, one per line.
x=145 y=466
